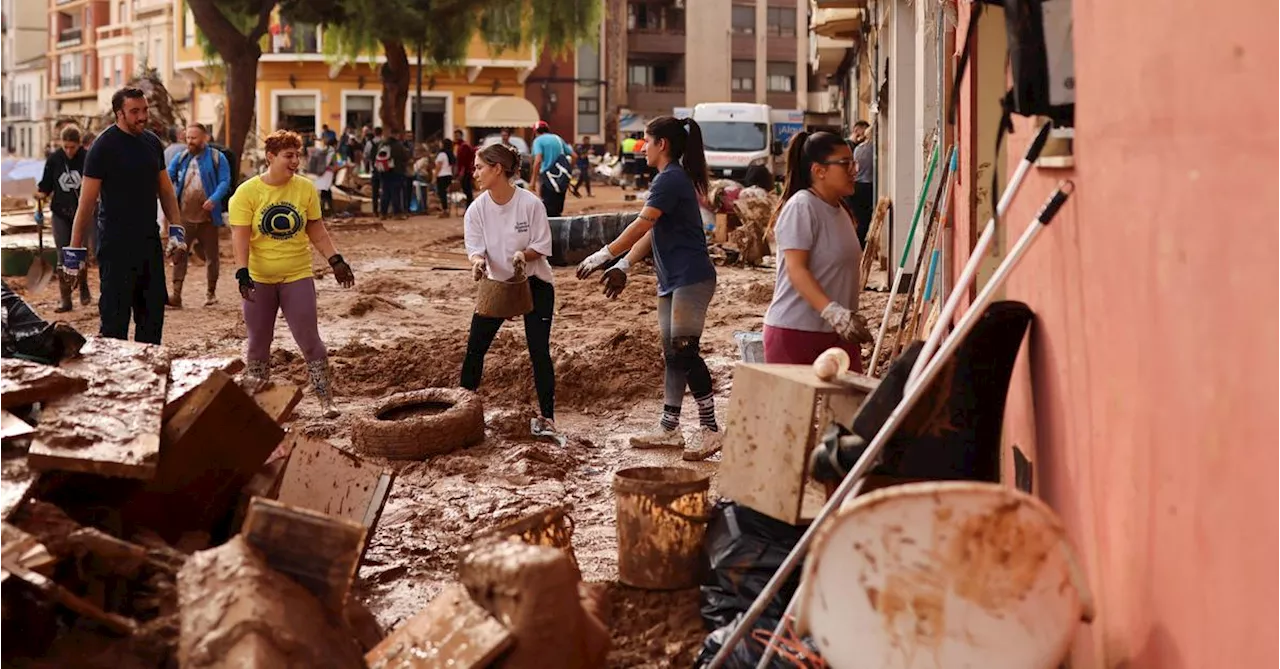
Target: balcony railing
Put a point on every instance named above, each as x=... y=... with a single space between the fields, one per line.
x=70 y=37
x=70 y=84
x=651 y=88
x=18 y=110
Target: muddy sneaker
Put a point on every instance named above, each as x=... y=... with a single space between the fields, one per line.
x=709 y=446
x=211 y=299
x=659 y=438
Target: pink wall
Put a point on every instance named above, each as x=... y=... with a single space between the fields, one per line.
x=1149 y=387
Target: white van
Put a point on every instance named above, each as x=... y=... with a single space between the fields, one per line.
x=735 y=137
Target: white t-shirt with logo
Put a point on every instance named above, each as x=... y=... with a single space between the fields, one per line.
x=499 y=231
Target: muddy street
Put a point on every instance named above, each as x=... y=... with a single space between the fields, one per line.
x=404 y=327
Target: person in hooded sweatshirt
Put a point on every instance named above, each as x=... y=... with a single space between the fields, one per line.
x=63 y=171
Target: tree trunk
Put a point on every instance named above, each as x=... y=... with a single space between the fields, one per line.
x=395 y=87
x=242 y=92
x=615 y=44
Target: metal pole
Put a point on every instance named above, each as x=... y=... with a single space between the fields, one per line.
x=909 y=399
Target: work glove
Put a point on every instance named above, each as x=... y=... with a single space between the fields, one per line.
x=342 y=271
x=850 y=326
x=615 y=279
x=246 y=284
x=73 y=257
x=518 y=264
x=175 y=247
x=594 y=262
x=477 y=268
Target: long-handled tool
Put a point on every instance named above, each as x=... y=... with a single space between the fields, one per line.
x=40 y=272
x=910 y=397
x=979 y=252
x=906 y=253
x=915 y=289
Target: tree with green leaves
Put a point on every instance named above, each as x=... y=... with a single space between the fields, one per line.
x=443 y=29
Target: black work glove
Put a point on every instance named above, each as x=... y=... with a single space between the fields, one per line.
x=342 y=271
x=615 y=279
x=246 y=284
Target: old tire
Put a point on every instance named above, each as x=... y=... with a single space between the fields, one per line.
x=573 y=238
x=382 y=433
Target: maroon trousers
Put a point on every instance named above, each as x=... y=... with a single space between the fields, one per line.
x=784 y=346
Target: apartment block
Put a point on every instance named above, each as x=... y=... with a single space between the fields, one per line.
x=73 y=56
x=138 y=34
x=683 y=52
x=25 y=36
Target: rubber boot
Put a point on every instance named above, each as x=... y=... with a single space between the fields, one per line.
x=175 y=295
x=256 y=377
x=85 y=298
x=321 y=382
x=64 y=293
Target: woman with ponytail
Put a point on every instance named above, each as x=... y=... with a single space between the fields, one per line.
x=670 y=225
x=815 y=296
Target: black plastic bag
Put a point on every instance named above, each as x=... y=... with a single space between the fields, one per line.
x=743 y=548
x=23 y=334
x=747 y=654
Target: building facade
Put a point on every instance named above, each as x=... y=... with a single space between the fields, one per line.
x=139 y=35
x=25 y=34
x=74 y=70
x=568 y=91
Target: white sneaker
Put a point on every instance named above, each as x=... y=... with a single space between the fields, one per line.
x=659 y=438
x=711 y=442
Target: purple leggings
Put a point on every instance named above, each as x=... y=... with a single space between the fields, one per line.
x=297 y=299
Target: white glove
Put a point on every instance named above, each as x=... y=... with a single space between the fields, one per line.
x=175 y=246
x=477 y=268
x=594 y=262
x=518 y=264
x=850 y=326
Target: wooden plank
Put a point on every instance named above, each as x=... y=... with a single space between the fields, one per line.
x=452 y=631
x=279 y=400
x=23 y=382
x=187 y=374
x=24 y=550
x=12 y=427
x=112 y=427
x=210 y=449
x=318 y=551
x=81 y=606
x=768 y=432
x=324 y=478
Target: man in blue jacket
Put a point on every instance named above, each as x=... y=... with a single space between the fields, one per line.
x=202 y=179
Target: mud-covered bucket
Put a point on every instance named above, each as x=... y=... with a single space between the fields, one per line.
x=504 y=299
x=662 y=517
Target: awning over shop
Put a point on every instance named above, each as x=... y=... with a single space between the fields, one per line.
x=837 y=23
x=500 y=111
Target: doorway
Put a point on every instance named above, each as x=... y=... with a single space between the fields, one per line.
x=430 y=119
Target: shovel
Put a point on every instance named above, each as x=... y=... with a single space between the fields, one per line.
x=40 y=272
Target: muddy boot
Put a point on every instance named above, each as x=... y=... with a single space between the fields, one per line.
x=321 y=382
x=256 y=377
x=64 y=293
x=85 y=298
x=175 y=295
x=659 y=438
x=211 y=298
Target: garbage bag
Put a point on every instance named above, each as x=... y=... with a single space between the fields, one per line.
x=743 y=548
x=23 y=333
x=747 y=654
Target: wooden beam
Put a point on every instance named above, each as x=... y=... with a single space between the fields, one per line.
x=452 y=631
x=320 y=552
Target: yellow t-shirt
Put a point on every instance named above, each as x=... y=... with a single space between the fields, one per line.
x=279 y=249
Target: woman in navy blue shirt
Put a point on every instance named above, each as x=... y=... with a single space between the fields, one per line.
x=670 y=226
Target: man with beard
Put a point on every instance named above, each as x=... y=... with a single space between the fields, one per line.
x=126 y=168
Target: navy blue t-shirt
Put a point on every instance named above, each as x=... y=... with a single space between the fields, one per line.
x=129 y=167
x=679 y=244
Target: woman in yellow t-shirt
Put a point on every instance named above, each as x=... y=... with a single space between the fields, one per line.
x=269 y=214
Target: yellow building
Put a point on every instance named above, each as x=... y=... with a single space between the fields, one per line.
x=297 y=87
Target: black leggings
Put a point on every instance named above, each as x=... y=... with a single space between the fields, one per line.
x=537 y=333
x=442 y=190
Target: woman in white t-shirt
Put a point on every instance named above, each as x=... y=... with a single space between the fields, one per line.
x=444 y=175
x=815 y=297
x=506 y=232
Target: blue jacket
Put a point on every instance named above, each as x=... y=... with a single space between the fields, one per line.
x=215 y=176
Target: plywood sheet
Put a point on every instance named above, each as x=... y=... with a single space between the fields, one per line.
x=12 y=427
x=279 y=400
x=187 y=374
x=453 y=631
x=318 y=551
x=324 y=478
x=24 y=382
x=112 y=427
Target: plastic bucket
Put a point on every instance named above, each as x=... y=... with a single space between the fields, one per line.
x=661 y=519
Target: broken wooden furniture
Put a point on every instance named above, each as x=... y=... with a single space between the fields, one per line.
x=24 y=382
x=451 y=631
x=947 y=574
x=319 y=551
x=777 y=413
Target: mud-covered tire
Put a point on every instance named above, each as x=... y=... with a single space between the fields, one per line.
x=420 y=437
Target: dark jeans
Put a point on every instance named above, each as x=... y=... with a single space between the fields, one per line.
x=550 y=198
x=863 y=205
x=442 y=190
x=375 y=181
x=133 y=284
x=468 y=187
x=326 y=203
x=537 y=333
x=393 y=186
x=584 y=178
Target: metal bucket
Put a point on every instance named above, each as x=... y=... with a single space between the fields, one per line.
x=662 y=515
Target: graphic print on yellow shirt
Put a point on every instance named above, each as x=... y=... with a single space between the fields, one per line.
x=279 y=249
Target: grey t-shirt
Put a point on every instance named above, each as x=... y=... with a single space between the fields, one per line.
x=806 y=223
x=862 y=155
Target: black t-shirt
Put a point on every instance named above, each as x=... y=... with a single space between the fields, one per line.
x=62 y=179
x=129 y=168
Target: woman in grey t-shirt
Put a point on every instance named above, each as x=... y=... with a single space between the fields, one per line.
x=815 y=298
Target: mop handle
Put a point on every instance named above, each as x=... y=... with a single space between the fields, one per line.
x=928 y=283
x=979 y=252
x=909 y=399
x=902 y=264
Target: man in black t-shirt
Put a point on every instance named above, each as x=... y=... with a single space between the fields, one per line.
x=125 y=166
